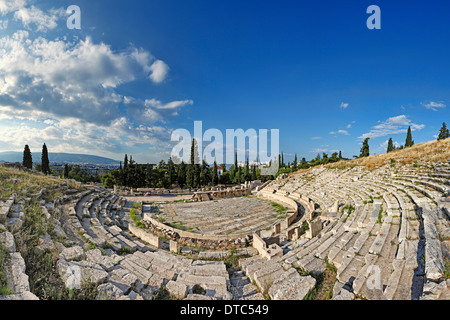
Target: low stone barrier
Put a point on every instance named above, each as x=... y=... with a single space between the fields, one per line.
x=6 y=208
x=191 y=235
x=145 y=236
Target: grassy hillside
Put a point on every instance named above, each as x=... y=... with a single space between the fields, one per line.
x=25 y=183
x=432 y=151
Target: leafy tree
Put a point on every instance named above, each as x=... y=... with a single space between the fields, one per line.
x=303 y=164
x=45 y=163
x=409 y=141
x=324 y=158
x=390 y=146
x=27 y=158
x=181 y=178
x=365 y=148
x=444 y=132
x=318 y=158
x=225 y=178
x=254 y=175
x=334 y=157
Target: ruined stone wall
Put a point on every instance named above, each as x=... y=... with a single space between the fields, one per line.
x=145 y=236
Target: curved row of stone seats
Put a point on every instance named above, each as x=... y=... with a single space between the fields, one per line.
x=142 y=276
x=277 y=280
x=360 y=247
x=98 y=225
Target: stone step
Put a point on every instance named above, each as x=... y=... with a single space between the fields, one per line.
x=394 y=280
x=379 y=241
x=291 y=286
x=434 y=262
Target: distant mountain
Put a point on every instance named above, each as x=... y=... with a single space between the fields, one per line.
x=12 y=156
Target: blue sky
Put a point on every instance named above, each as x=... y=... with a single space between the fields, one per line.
x=137 y=70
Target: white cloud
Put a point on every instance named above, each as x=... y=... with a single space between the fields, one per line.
x=433 y=105
x=37 y=17
x=67 y=79
x=384 y=145
x=152 y=110
x=159 y=71
x=344 y=105
x=67 y=93
x=7 y=6
x=393 y=125
x=316 y=138
x=350 y=125
x=169 y=106
x=344 y=132
x=323 y=150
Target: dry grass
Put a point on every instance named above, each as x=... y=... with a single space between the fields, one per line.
x=432 y=151
x=25 y=183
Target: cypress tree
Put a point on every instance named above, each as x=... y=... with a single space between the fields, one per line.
x=66 y=171
x=170 y=171
x=193 y=171
x=215 y=177
x=247 y=171
x=390 y=146
x=205 y=177
x=27 y=158
x=131 y=162
x=254 y=176
x=125 y=162
x=182 y=174
x=365 y=148
x=340 y=155
x=295 y=163
x=236 y=166
x=237 y=179
x=444 y=133
x=409 y=141
x=45 y=163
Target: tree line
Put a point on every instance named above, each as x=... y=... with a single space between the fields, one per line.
x=70 y=172
x=191 y=175
x=195 y=174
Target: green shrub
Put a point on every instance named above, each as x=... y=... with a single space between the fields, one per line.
x=4 y=290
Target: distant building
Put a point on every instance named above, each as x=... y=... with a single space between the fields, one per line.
x=219 y=171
